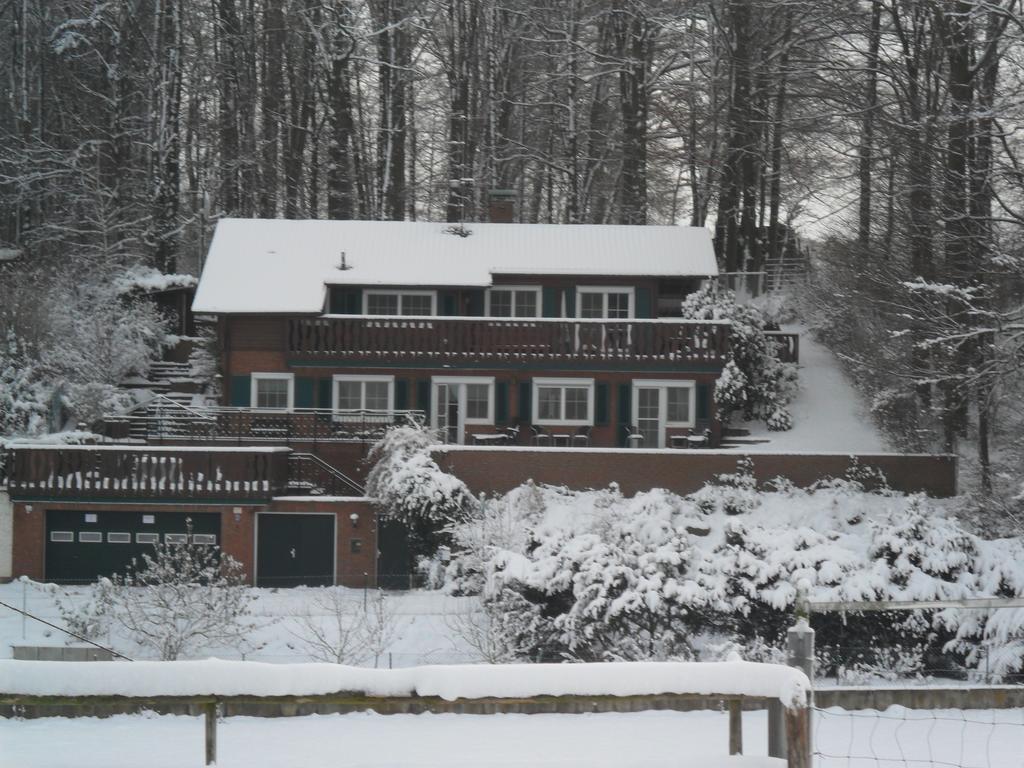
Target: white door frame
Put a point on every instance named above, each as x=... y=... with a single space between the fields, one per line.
x=460 y=382
x=662 y=385
x=256 y=541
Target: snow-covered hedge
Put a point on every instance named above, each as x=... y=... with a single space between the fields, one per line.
x=596 y=575
x=406 y=482
x=754 y=382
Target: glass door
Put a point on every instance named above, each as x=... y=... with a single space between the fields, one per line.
x=447 y=414
x=649 y=416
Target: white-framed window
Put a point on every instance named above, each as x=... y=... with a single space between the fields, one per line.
x=147 y=538
x=388 y=302
x=363 y=393
x=90 y=537
x=204 y=538
x=661 y=403
x=605 y=302
x=513 y=301
x=273 y=391
x=119 y=538
x=62 y=536
x=175 y=538
x=563 y=402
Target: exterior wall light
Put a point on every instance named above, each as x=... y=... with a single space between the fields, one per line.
x=354 y=517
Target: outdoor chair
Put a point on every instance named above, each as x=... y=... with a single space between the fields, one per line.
x=634 y=438
x=582 y=436
x=541 y=437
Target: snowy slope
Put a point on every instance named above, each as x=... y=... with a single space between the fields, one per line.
x=829 y=415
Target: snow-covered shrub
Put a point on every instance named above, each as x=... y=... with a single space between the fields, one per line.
x=341 y=628
x=732 y=493
x=754 y=382
x=180 y=599
x=592 y=574
x=408 y=485
x=23 y=391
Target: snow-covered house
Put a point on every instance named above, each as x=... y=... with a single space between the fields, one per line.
x=529 y=333
x=329 y=331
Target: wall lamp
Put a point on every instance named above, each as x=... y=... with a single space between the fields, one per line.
x=354 y=517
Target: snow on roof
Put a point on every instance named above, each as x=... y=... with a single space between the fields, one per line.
x=151 y=280
x=214 y=677
x=279 y=265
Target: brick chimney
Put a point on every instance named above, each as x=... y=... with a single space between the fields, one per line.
x=501 y=206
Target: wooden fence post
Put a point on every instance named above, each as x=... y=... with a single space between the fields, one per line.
x=210 y=712
x=798 y=737
x=736 y=727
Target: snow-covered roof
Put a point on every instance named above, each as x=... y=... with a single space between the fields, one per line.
x=279 y=265
x=149 y=280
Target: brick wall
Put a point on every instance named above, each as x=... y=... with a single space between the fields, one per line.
x=501 y=469
x=237 y=533
x=354 y=568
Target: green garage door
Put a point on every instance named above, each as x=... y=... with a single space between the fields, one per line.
x=294 y=550
x=82 y=546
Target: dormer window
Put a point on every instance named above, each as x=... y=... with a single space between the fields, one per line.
x=385 y=302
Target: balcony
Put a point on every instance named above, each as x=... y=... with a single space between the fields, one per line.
x=542 y=340
x=141 y=472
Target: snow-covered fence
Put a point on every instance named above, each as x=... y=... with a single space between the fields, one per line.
x=214 y=685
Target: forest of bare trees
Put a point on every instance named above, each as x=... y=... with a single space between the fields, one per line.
x=885 y=130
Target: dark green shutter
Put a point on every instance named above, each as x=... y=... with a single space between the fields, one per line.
x=401 y=395
x=501 y=401
x=525 y=390
x=303 y=392
x=551 y=302
x=423 y=397
x=643 y=303
x=241 y=391
x=476 y=303
x=703 y=401
x=601 y=404
x=570 y=302
x=324 y=398
x=625 y=411
x=448 y=304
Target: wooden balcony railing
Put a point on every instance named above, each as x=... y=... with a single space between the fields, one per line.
x=465 y=339
x=147 y=472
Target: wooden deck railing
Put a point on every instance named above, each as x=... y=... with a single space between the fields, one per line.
x=787 y=345
x=147 y=472
x=462 y=339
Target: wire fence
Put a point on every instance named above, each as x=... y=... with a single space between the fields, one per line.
x=916 y=738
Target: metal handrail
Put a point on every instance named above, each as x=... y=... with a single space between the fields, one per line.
x=331 y=470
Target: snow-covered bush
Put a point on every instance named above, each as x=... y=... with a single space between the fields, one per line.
x=592 y=574
x=342 y=628
x=754 y=382
x=23 y=390
x=408 y=485
x=180 y=599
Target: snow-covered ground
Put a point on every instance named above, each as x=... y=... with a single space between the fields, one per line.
x=829 y=415
x=425 y=625
x=898 y=737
